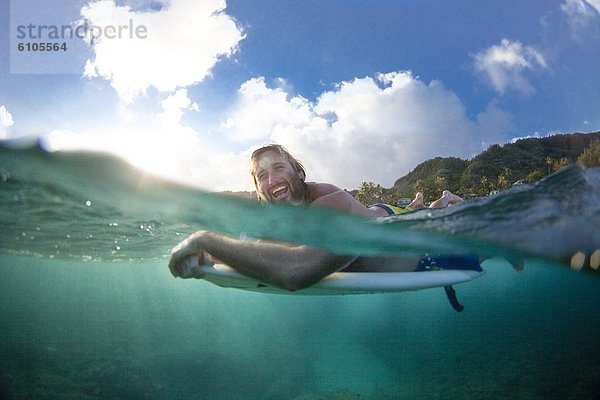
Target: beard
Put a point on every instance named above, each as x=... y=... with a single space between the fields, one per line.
x=296 y=196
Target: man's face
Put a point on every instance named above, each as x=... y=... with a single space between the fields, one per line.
x=276 y=180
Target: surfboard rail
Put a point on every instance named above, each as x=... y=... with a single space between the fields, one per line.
x=340 y=283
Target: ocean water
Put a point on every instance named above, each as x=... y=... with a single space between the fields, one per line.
x=89 y=309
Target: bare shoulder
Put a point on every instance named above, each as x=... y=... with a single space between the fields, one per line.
x=330 y=196
x=317 y=190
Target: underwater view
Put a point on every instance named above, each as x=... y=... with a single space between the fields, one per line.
x=89 y=309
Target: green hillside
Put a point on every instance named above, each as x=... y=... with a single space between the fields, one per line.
x=526 y=158
x=496 y=168
x=431 y=173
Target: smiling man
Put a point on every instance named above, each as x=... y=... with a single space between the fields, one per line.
x=280 y=178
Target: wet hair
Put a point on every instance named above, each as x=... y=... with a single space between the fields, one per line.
x=277 y=148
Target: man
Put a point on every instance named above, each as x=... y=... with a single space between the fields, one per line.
x=317 y=194
x=280 y=178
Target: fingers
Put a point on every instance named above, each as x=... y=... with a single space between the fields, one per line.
x=188 y=267
x=188 y=256
x=184 y=249
x=174 y=267
x=175 y=261
x=181 y=266
x=180 y=263
x=205 y=259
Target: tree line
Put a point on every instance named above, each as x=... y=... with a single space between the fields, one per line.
x=497 y=168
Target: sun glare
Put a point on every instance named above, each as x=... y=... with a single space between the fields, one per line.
x=156 y=153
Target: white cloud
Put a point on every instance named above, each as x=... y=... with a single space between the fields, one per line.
x=260 y=110
x=581 y=8
x=535 y=135
x=6 y=121
x=581 y=14
x=594 y=4
x=369 y=129
x=174 y=107
x=176 y=46
x=504 y=65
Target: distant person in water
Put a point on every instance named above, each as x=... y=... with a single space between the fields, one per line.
x=280 y=178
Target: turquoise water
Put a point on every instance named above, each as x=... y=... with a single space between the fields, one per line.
x=89 y=309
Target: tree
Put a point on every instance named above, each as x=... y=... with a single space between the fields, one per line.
x=390 y=198
x=369 y=193
x=534 y=176
x=439 y=183
x=484 y=186
x=591 y=155
x=555 y=165
x=504 y=179
x=419 y=186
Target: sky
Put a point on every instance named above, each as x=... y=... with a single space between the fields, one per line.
x=358 y=90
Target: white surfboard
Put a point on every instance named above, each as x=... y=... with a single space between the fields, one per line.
x=340 y=283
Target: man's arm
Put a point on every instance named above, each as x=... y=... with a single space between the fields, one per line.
x=282 y=265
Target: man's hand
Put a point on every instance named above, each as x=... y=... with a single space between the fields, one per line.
x=188 y=256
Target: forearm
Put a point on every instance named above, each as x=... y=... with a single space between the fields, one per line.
x=278 y=264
